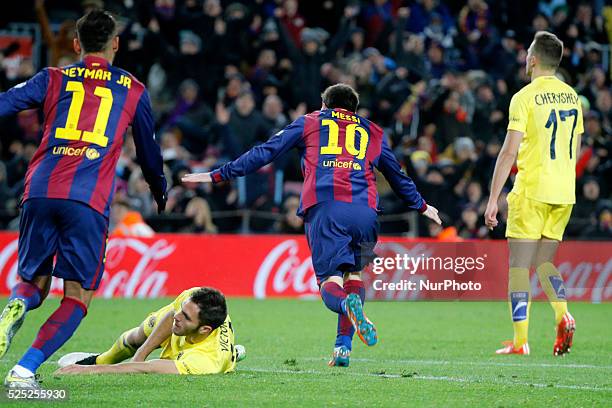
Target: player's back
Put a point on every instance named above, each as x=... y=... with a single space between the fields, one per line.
x=87 y=109
x=548 y=111
x=340 y=152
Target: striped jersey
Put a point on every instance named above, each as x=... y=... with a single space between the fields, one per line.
x=87 y=109
x=339 y=151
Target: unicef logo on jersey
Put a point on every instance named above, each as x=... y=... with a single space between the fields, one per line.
x=339 y=164
x=92 y=154
x=89 y=152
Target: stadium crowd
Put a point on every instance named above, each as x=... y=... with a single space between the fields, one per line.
x=226 y=75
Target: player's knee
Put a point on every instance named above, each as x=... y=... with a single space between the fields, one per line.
x=335 y=279
x=77 y=303
x=522 y=253
x=136 y=337
x=352 y=276
x=74 y=290
x=546 y=251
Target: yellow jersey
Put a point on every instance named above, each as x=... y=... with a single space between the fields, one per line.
x=215 y=354
x=549 y=114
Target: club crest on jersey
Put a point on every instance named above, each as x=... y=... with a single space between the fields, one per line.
x=92 y=154
x=519 y=302
x=338 y=164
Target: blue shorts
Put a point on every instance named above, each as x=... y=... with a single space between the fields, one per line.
x=72 y=232
x=341 y=237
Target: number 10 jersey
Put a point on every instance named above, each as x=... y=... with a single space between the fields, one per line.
x=339 y=151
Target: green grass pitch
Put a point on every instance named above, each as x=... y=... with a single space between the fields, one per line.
x=429 y=354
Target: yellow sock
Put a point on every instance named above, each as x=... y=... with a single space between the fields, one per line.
x=552 y=283
x=518 y=295
x=119 y=351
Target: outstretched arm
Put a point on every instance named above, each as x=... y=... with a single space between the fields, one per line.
x=402 y=185
x=256 y=157
x=503 y=165
x=148 y=367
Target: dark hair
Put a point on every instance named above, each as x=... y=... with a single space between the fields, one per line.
x=95 y=29
x=213 y=309
x=548 y=48
x=341 y=96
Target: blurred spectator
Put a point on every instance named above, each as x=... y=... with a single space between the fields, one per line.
x=452 y=122
x=424 y=11
x=61 y=51
x=7 y=200
x=585 y=207
x=290 y=222
x=246 y=127
x=127 y=222
x=199 y=211
x=601 y=225
x=139 y=195
x=306 y=62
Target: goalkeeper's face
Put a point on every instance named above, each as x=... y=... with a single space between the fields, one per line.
x=187 y=322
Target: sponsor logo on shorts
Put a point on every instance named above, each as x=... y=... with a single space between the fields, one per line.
x=89 y=152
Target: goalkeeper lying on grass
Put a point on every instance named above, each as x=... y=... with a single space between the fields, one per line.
x=195 y=334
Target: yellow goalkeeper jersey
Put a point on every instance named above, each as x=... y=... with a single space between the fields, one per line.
x=215 y=354
x=549 y=114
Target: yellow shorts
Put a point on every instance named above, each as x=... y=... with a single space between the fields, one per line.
x=531 y=219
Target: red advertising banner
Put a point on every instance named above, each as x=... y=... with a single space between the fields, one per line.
x=265 y=266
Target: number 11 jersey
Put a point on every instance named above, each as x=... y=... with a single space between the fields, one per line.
x=87 y=109
x=549 y=114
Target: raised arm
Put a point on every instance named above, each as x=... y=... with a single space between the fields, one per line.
x=294 y=52
x=45 y=27
x=400 y=26
x=343 y=33
x=26 y=95
x=256 y=157
x=148 y=153
x=402 y=185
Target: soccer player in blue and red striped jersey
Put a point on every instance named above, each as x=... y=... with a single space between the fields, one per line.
x=70 y=183
x=339 y=151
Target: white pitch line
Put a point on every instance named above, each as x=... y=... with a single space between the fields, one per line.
x=432 y=378
x=419 y=377
x=469 y=363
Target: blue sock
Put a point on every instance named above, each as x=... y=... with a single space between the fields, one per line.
x=54 y=333
x=28 y=292
x=344 y=340
x=334 y=297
